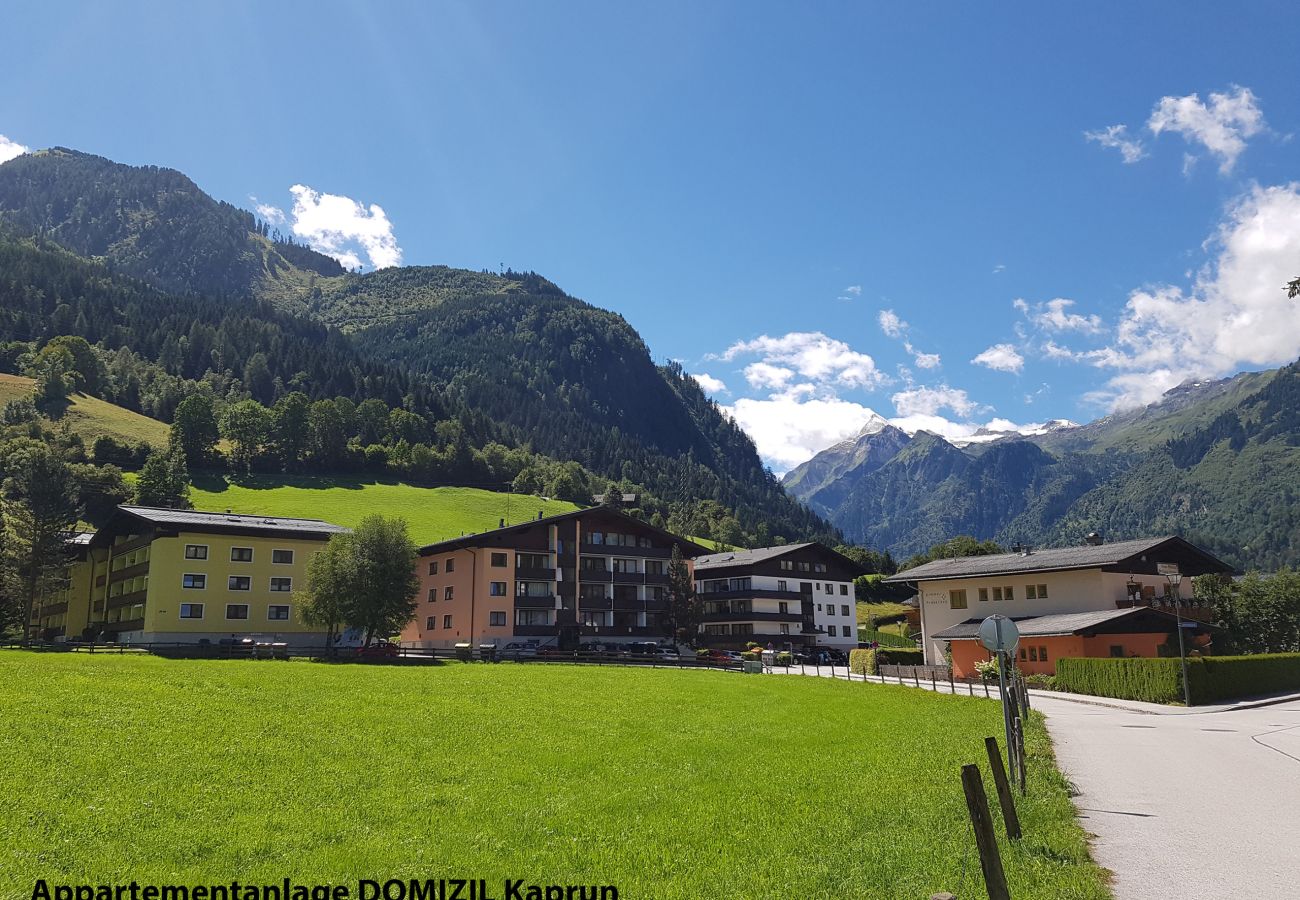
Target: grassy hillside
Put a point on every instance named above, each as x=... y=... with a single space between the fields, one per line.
x=704 y=785
x=90 y=417
x=432 y=514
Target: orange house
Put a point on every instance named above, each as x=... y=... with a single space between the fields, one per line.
x=1139 y=631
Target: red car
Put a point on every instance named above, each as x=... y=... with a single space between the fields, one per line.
x=379 y=650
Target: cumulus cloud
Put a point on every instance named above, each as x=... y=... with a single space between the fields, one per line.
x=710 y=384
x=766 y=375
x=813 y=356
x=1001 y=358
x=272 y=214
x=1116 y=137
x=789 y=430
x=344 y=229
x=923 y=360
x=928 y=401
x=1220 y=126
x=1234 y=314
x=9 y=149
x=891 y=324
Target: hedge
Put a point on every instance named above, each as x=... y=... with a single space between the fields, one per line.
x=1212 y=678
x=868 y=662
x=1152 y=680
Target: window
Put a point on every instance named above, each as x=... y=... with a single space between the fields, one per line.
x=844 y=609
x=717 y=629
x=787 y=565
x=191 y=610
x=451 y=565
x=532 y=617
x=498 y=560
x=595 y=537
x=844 y=590
x=830 y=630
x=433 y=594
x=497 y=589
x=819 y=567
x=194 y=582
x=997 y=593
x=819 y=607
x=1033 y=654
x=196 y=551
x=279 y=613
x=593 y=564
x=496 y=618
x=446 y=592
x=282 y=557
x=236 y=610
x=593 y=618
x=781 y=585
x=1042 y=592
x=241 y=554
x=828 y=588
x=532 y=561
x=433 y=567
x=1031 y=592
x=281 y=585
x=1024 y=654
x=1117 y=651
x=446 y=621
x=804 y=567
x=239 y=583
x=532 y=589
x=431 y=623
x=957 y=599
x=627 y=566
x=1042 y=654
x=1008 y=593
x=655 y=567
x=984 y=595
x=783 y=608
x=785 y=628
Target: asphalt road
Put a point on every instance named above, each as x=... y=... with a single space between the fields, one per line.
x=1186 y=804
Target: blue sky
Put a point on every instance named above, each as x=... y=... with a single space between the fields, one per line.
x=827 y=209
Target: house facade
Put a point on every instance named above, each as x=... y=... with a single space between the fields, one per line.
x=185 y=576
x=594 y=575
x=954 y=594
x=794 y=596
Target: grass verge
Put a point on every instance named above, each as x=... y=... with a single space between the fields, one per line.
x=666 y=783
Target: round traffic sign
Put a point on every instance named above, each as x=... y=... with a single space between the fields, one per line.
x=999 y=634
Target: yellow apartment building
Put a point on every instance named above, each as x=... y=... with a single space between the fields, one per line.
x=185 y=576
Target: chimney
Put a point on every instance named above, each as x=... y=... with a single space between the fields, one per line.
x=539 y=514
x=229 y=510
x=1093 y=539
x=502 y=524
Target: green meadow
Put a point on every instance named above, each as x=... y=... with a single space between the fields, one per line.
x=666 y=783
x=431 y=514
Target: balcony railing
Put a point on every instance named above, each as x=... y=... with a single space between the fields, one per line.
x=595 y=575
x=527 y=573
x=752 y=617
x=529 y=601
x=595 y=602
x=754 y=593
x=630 y=552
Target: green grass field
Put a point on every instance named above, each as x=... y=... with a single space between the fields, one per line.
x=90 y=417
x=668 y=784
x=431 y=514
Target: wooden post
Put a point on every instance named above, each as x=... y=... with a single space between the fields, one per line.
x=1018 y=729
x=995 y=880
x=1005 y=798
x=916 y=676
x=986 y=686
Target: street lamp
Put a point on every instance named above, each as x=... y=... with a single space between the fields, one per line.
x=1175 y=578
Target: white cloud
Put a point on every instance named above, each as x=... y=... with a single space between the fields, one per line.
x=766 y=375
x=1054 y=315
x=922 y=360
x=272 y=214
x=1001 y=358
x=999 y=268
x=710 y=384
x=891 y=324
x=854 y=289
x=789 y=430
x=1235 y=314
x=343 y=228
x=1116 y=137
x=1221 y=126
x=814 y=356
x=927 y=401
x=9 y=149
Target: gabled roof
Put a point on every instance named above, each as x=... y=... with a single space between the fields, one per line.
x=1125 y=556
x=690 y=549
x=740 y=558
x=228 y=523
x=1108 y=620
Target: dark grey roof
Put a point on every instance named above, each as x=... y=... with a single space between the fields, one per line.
x=1053 y=625
x=1088 y=556
x=745 y=557
x=689 y=548
x=204 y=521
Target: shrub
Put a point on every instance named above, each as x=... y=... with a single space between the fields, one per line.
x=987 y=668
x=1217 y=678
x=1212 y=679
x=752 y=655
x=868 y=662
x=784 y=658
x=1151 y=680
x=701 y=654
x=1040 y=680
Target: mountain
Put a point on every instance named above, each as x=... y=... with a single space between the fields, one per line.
x=823 y=481
x=1217 y=461
x=189 y=294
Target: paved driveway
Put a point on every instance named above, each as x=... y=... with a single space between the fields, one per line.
x=1186 y=804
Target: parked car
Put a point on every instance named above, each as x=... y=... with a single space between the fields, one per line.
x=519 y=650
x=724 y=656
x=669 y=652
x=380 y=649
x=643 y=648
